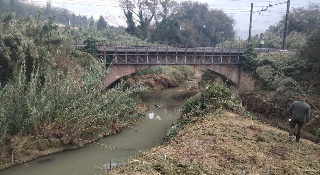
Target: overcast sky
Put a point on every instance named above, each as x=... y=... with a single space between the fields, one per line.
x=238 y=9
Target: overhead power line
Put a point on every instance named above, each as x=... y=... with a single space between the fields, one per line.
x=269 y=6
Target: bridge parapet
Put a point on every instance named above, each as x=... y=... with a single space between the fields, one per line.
x=113 y=54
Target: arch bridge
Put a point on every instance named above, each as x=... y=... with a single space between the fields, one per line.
x=124 y=60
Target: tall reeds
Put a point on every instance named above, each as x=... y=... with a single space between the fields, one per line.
x=55 y=91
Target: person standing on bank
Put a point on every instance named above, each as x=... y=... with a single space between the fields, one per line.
x=300 y=111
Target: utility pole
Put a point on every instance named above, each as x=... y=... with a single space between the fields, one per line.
x=250 y=26
x=286 y=26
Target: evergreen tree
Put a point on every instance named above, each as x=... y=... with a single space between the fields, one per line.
x=102 y=24
x=132 y=28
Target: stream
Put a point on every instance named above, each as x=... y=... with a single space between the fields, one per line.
x=98 y=157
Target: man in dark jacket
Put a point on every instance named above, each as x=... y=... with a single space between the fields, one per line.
x=300 y=111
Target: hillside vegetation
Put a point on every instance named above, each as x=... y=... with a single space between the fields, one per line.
x=280 y=78
x=64 y=16
x=51 y=95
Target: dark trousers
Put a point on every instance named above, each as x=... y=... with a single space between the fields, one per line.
x=292 y=123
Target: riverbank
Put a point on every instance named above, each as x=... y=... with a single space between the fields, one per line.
x=227 y=143
x=30 y=149
x=26 y=148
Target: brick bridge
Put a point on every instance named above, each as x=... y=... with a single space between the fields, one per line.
x=124 y=60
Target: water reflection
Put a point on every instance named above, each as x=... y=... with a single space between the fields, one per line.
x=151 y=116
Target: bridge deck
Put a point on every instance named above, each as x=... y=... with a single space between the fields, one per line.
x=169 y=55
x=146 y=49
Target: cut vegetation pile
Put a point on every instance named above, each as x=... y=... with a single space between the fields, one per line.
x=226 y=143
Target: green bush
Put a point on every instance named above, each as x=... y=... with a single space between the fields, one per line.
x=215 y=97
x=177 y=74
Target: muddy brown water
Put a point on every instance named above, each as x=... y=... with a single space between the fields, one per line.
x=97 y=158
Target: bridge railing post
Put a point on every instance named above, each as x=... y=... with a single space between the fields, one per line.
x=148 y=52
x=137 y=51
x=185 y=54
x=239 y=53
x=116 y=53
x=204 y=54
x=126 y=51
x=167 y=52
x=195 y=55
x=157 y=52
x=229 y=61
x=104 y=54
x=221 y=55
x=212 y=53
x=176 y=56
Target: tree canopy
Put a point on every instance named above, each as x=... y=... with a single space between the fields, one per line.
x=300 y=20
x=195 y=23
x=188 y=22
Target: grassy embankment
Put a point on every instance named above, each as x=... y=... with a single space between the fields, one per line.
x=219 y=137
x=227 y=143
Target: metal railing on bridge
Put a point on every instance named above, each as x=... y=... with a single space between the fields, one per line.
x=164 y=53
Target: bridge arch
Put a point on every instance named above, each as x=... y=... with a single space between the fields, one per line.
x=233 y=73
x=223 y=78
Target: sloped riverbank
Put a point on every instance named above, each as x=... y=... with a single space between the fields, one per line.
x=227 y=143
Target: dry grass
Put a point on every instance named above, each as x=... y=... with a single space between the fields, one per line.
x=226 y=143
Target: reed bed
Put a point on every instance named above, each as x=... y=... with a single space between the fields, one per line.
x=52 y=97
